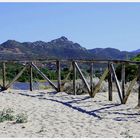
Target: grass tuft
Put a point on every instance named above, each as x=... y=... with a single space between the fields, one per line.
x=22 y=118
x=7 y=115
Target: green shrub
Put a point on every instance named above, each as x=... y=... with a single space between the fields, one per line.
x=22 y=118
x=6 y=115
x=130 y=70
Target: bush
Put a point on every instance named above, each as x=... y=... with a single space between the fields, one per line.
x=80 y=86
x=22 y=118
x=130 y=71
x=6 y=115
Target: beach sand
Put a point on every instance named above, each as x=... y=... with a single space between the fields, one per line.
x=52 y=114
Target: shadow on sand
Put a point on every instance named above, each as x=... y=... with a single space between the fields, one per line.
x=69 y=104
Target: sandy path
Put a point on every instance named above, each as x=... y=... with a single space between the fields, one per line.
x=62 y=115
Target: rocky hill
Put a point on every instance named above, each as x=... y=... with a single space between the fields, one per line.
x=60 y=48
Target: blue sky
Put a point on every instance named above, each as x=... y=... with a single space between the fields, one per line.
x=92 y=25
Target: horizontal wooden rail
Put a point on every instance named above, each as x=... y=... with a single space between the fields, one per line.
x=100 y=61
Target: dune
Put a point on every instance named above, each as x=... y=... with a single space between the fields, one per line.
x=59 y=115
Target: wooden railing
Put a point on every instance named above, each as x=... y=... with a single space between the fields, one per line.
x=74 y=68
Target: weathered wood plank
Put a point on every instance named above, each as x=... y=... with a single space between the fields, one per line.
x=68 y=75
x=74 y=77
x=129 y=90
x=58 y=75
x=123 y=80
x=91 y=78
x=66 y=78
x=117 y=82
x=77 y=60
x=97 y=87
x=44 y=76
x=31 y=78
x=131 y=86
x=139 y=86
x=139 y=96
x=16 y=77
x=109 y=83
x=83 y=78
x=4 y=74
x=137 y=77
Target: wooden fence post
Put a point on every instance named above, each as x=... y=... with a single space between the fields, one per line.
x=3 y=75
x=139 y=86
x=109 y=83
x=139 y=96
x=31 y=77
x=74 y=77
x=58 y=75
x=91 y=78
x=123 y=80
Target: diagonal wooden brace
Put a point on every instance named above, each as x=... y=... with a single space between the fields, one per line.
x=97 y=87
x=17 y=76
x=44 y=76
x=117 y=82
x=68 y=75
x=137 y=76
x=82 y=77
x=129 y=90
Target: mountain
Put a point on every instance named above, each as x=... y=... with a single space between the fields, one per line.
x=60 y=48
x=136 y=51
x=111 y=53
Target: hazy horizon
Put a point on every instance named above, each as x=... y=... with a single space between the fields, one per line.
x=92 y=25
